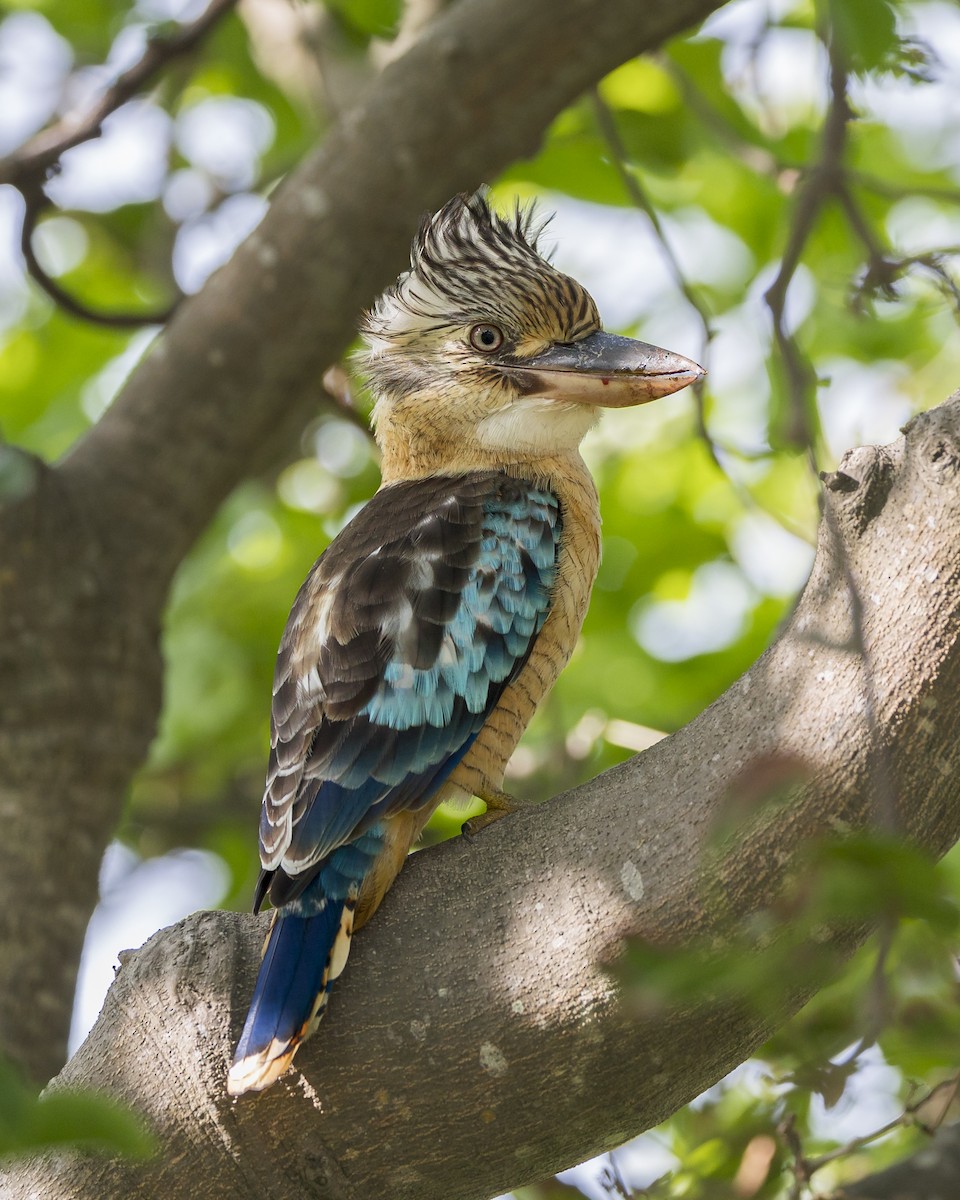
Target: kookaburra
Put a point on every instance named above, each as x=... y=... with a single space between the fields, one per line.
x=434 y=624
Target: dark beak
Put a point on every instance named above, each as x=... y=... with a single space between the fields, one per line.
x=603 y=369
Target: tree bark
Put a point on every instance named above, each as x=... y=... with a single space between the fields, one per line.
x=476 y=1041
x=88 y=548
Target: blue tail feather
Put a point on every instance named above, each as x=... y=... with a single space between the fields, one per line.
x=300 y=961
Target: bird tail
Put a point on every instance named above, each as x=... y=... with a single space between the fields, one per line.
x=302 y=956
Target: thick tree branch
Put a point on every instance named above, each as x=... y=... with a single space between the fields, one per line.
x=228 y=386
x=476 y=1042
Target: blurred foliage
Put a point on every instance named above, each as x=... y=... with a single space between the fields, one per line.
x=838 y=886
x=62 y=1119
x=705 y=543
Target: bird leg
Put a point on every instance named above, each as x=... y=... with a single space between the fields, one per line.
x=498 y=803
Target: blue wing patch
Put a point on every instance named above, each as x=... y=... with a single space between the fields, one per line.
x=398 y=648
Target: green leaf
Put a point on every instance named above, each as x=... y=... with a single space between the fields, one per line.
x=869 y=875
x=865 y=30
x=86 y=1120
x=372 y=18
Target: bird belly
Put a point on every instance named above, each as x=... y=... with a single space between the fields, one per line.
x=482 y=768
x=484 y=764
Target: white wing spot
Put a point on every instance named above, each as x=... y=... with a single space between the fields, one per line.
x=449 y=655
x=404 y=677
x=309 y=688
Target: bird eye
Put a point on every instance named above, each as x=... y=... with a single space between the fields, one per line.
x=486 y=338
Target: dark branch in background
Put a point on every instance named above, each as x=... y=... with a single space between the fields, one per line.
x=36 y=201
x=930 y=1174
x=607 y=125
x=820 y=184
x=927 y=1114
x=824 y=181
x=37 y=156
x=28 y=168
x=830 y=179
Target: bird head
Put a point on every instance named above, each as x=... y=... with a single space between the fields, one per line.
x=484 y=347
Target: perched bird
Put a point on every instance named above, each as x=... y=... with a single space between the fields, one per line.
x=434 y=624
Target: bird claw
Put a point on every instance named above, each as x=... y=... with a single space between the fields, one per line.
x=498 y=805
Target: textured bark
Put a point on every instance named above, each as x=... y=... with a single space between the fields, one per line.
x=80 y=694
x=475 y=1042
x=87 y=549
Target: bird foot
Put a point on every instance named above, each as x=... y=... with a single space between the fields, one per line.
x=498 y=805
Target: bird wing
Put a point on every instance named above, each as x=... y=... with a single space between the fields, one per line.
x=398 y=647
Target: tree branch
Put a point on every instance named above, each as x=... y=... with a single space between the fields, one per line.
x=930 y=1174
x=30 y=163
x=820 y=185
x=29 y=167
x=476 y=1041
x=35 y=202
x=607 y=126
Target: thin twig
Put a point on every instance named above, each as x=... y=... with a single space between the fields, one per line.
x=35 y=157
x=615 y=1183
x=880 y=269
x=905 y=1118
x=894 y=191
x=787 y=1130
x=611 y=135
x=883 y=276
x=883 y=270
x=337 y=385
x=35 y=204
x=819 y=184
x=28 y=168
